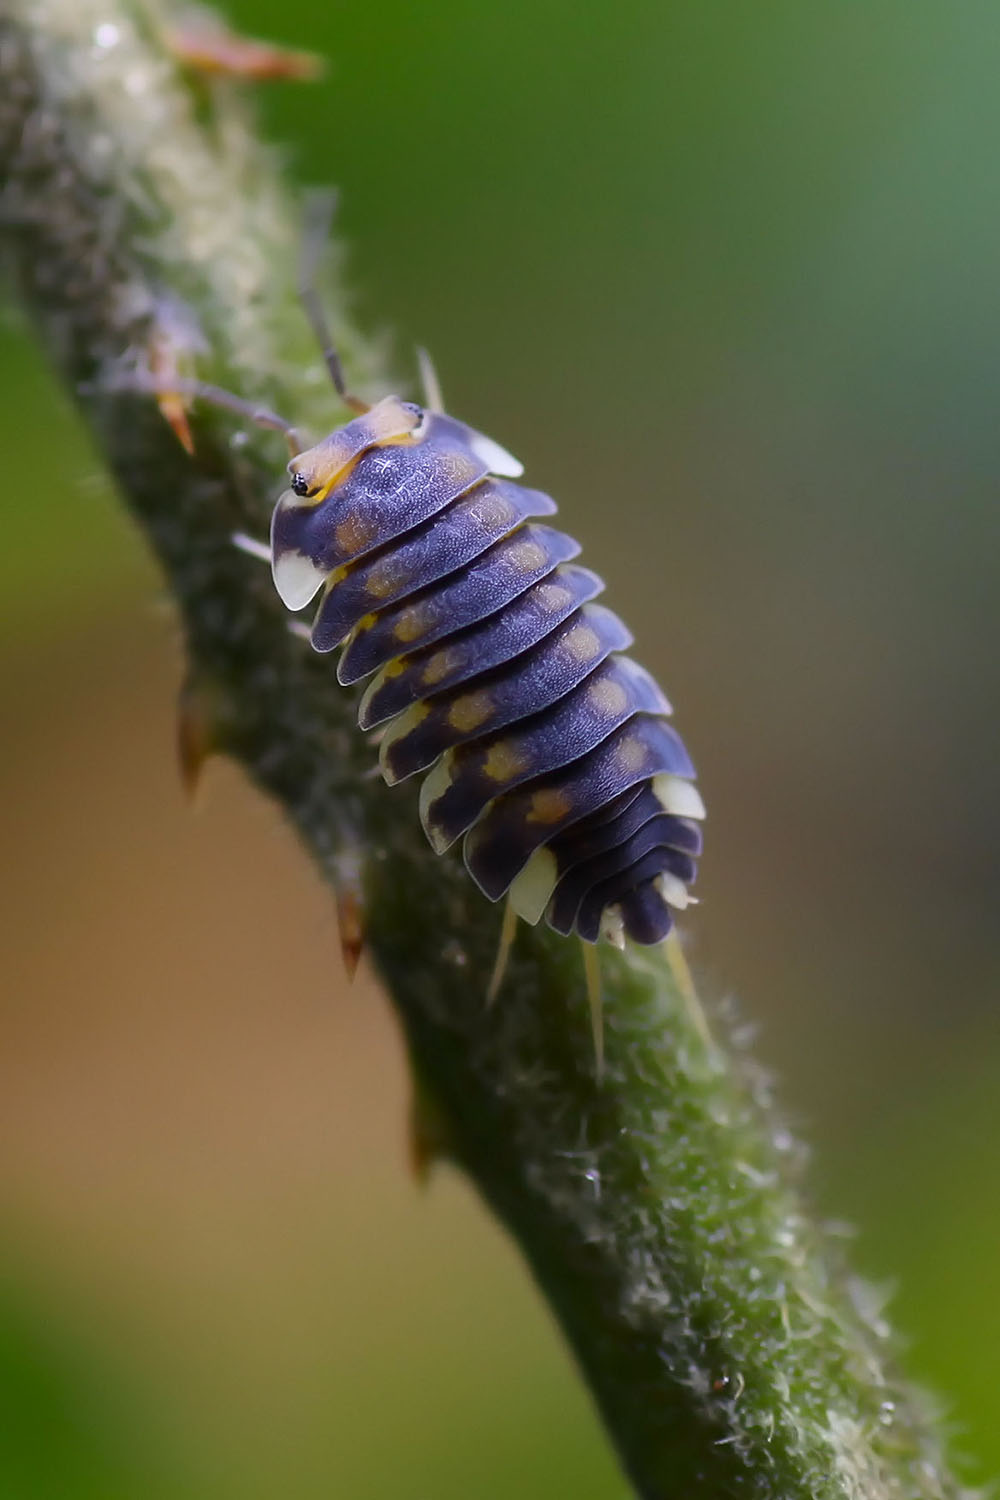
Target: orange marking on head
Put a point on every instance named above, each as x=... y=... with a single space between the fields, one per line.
x=328 y=463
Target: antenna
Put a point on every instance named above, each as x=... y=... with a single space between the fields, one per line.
x=433 y=399
x=320 y=208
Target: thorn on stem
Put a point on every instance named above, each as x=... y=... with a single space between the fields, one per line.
x=201 y=41
x=350 y=915
x=201 y=720
x=429 y=1137
x=163 y=367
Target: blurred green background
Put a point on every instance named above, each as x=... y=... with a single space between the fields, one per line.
x=726 y=277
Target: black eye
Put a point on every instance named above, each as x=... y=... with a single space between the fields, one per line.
x=300 y=484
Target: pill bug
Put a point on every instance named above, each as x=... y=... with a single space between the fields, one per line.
x=490 y=668
x=491 y=671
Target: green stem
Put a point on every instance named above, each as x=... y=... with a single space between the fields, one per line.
x=657 y=1209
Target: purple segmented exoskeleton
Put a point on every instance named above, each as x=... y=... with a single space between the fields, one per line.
x=493 y=672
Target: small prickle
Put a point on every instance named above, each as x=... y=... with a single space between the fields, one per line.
x=428 y=1134
x=201 y=41
x=350 y=915
x=201 y=728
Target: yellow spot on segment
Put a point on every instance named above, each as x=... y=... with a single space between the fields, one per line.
x=395 y=668
x=608 y=697
x=549 y=805
x=353 y=533
x=437 y=668
x=503 y=762
x=492 y=511
x=411 y=624
x=384 y=578
x=468 y=712
x=527 y=556
x=553 y=597
x=582 y=643
x=631 y=754
x=461 y=470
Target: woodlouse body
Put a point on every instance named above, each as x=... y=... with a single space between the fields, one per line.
x=492 y=671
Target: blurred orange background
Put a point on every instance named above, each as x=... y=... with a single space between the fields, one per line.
x=725 y=279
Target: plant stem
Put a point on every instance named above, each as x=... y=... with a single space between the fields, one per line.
x=728 y=1352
